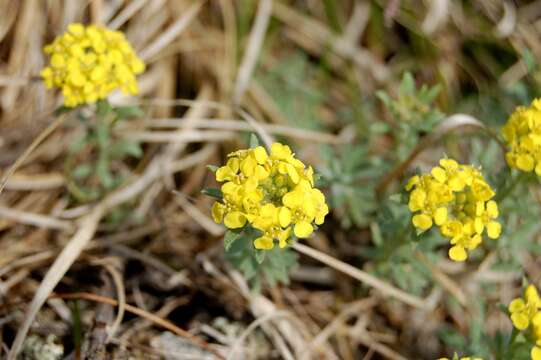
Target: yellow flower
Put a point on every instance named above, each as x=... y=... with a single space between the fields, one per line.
x=87 y=63
x=463 y=358
x=523 y=135
x=525 y=314
x=273 y=193
x=457 y=199
x=524 y=310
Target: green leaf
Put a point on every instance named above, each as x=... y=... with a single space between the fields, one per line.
x=212 y=192
x=376 y=234
x=254 y=141
x=104 y=173
x=126 y=147
x=125 y=112
x=379 y=127
x=529 y=59
x=229 y=238
x=213 y=168
x=396 y=198
x=382 y=95
x=407 y=86
x=260 y=256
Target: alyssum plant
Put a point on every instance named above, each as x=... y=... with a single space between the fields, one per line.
x=87 y=63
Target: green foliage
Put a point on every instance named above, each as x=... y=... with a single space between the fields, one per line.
x=291 y=82
x=351 y=174
x=395 y=248
x=215 y=193
x=254 y=141
x=413 y=113
x=273 y=266
x=94 y=162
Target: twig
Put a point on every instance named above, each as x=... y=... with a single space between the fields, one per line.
x=166 y=324
x=362 y=276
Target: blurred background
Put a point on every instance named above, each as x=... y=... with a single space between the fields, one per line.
x=354 y=87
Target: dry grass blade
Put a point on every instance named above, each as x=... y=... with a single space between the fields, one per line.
x=255 y=43
x=20 y=161
x=43 y=221
x=172 y=32
x=362 y=276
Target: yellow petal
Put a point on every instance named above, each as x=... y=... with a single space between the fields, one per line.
x=412 y=182
x=458 y=253
x=233 y=164
x=217 y=212
x=223 y=174
x=532 y=296
x=422 y=221
x=439 y=174
x=449 y=164
x=284 y=216
x=536 y=353
x=283 y=237
x=479 y=226
x=303 y=229
x=440 y=216
x=520 y=320
x=525 y=162
x=263 y=243
x=293 y=174
x=293 y=199
x=234 y=220
x=494 y=229
x=516 y=305
x=260 y=154
x=280 y=151
x=492 y=209
x=248 y=166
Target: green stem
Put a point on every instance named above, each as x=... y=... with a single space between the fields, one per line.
x=512 y=185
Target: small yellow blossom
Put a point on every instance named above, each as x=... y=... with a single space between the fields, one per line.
x=274 y=193
x=87 y=63
x=525 y=314
x=457 y=199
x=463 y=358
x=523 y=135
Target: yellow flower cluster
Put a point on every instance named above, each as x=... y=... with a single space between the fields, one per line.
x=526 y=312
x=458 y=200
x=87 y=63
x=273 y=193
x=523 y=135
